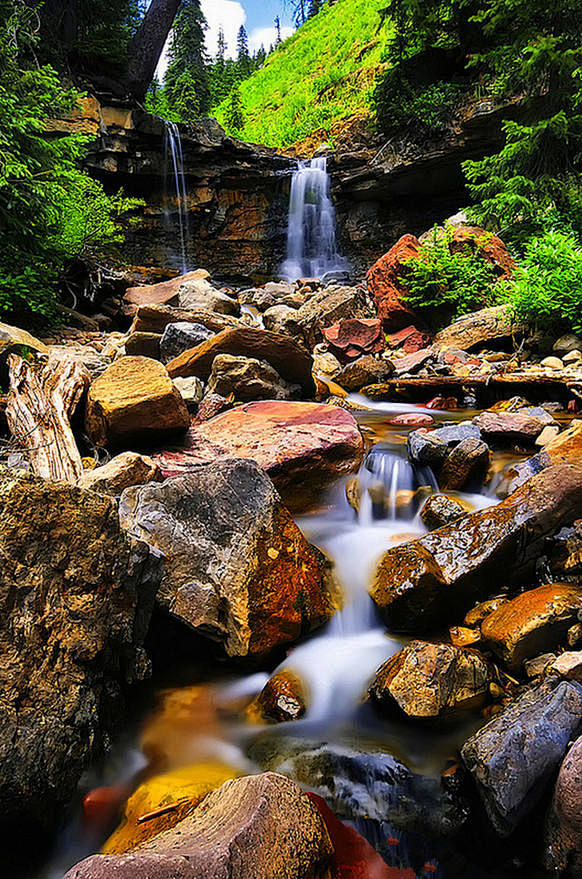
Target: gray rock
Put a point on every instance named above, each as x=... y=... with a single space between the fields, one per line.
x=456 y=433
x=514 y=755
x=276 y=318
x=249 y=379
x=425 y=447
x=567 y=343
x=180 y=337
x=564 y=825
x=201 y=295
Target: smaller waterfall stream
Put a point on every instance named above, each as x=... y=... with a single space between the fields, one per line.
x=174 y=171
x=311 y=233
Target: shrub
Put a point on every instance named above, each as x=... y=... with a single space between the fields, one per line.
x=427 y=110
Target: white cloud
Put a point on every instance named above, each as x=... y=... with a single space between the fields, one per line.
x=228 y=14
x=266 y=36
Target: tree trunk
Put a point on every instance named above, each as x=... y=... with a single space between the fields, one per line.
x=148 y=45
x=41 y=403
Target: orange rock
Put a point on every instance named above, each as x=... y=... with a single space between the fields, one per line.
x=462 y=637
x=487 y=245
x=281 y=699
x=387 y=283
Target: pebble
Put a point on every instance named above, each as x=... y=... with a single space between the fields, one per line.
x=552 y=363
x=572 y=356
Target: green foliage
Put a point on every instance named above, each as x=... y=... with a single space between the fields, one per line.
x=547 y=286
x=446 y=285
x=234 y=111
x=187 y=90
x=50 y=210
x=430 y=110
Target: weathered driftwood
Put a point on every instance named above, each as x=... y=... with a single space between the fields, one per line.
x=41 y=402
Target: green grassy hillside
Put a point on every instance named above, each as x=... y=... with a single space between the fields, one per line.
x=323 y=73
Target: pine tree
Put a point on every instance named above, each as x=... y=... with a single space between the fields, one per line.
x=315 y=6
x=186 y=82
x=278 y=40
x=234 y=111
x=243 y=57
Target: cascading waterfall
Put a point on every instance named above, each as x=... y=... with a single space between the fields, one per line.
x=174 y=172
x=311 y=232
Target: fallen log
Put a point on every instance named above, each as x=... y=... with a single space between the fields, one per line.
x=41 y=401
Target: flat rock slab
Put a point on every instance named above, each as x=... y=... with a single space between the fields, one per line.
x=164 y=293
x=284 y=354
x=155 y=319
x=302 y=446
x=257 y=826
x=514 y=755
x=506 y=426
x=487 y=325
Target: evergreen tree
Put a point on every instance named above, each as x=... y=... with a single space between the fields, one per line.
x=278 y=40
x=234 y=111
x=243 y=57
x=187 y=85
x=314 y=7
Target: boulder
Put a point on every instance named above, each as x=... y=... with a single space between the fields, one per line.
x=276 y=318
x=488 y=246
x=304 y=447
x=387 y=284
x=563 y=855
x=566 y=448
x=238 y=570
x=182 y=336
x=260 y=825
x=535 y=622
x=366 y=370
x=155 y=319
x=496 y=324
x=566 y=344
x=426 y=447
x=164 y=293
x=513 y=756
x=327 y=307
x=248 y=379
x=503 y=428
x=466 y=465
x=143 y=345
x=425 y=680
x=15 y=339
x=200 y=295
x=411 y=363
x=134 y=400
x=568 y=665
x=285 y=355
x=352 y=337
x=430 y=580
x=124 y=470
x=282 y=699
x=440 y=510
x=76 y=596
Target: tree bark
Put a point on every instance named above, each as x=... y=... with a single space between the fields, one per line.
x=148 y=45
x=41 y=403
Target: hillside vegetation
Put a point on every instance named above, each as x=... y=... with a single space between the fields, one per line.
x=325 y=72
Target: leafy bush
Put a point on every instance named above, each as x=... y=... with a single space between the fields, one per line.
x=547 y=286
x=399 y=104
x=449 y=284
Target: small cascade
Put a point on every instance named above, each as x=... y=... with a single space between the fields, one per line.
x=392 y=487
x=311 y=232
x=175 y=188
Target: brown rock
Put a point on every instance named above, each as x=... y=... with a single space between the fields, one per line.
x=14 y=339
x=284 y=354
x=387 y=283
x=352 y=337
x=199 y=295
x=326 y=307
x=164 y=293
x=490 y=324
x=506 y=427
x=411 y=363
x=462 y=637
x=534 y=622
x=304 y=447
x=565 y=449
x=126 y=469
x=210 y=406
x=364 y=371
x=478 y=613
x=155 y=319
x=440 y=510
x=490 y=247
x=260 y=825
x=143 y=345
x=282 y=699
x=427 y=680
x=248 y=379
x=134 y=400
x=439 y=576
x=569 y=665
x=410 y=339
x=563 y=855
x=466 y=464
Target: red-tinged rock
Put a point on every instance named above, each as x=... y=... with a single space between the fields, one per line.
x=164 y=293
x=489 y=246
x=354 y=857
x=101 y=806
x=387 y=283
x=412 y=362
x=443 y=403
x=412 y=419
x=410 y=339
x=210 y=406
x=303 y=447
x=352 y=337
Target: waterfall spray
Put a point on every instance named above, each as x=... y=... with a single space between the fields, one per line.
x=174 y=155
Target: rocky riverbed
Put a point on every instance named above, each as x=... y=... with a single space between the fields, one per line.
x=291 y=587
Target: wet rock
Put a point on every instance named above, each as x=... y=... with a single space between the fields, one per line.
x=352 y=337
x=433 y=681
x=248 y=379
x=410 y=339
x=440 y=575
x=15 y=339
x=327 y=307
x=503 y=428
x=282 y=699
x=426 y=447
x=143 y=345
x=513 y=756
x=466 y=465
x=482 y=610
x=411 y=363
x=364 y=371
x=164 y=293
x=565 y=449
x=238 y=570
x=563 y=855
x=304 y=447
x=569 y=665
x=200 y=295
x=461 y=636
x=182 y=336
x=191 y=390
x=387 y=284
x=134 y=400
x=168 y=799
x=124 y=470
x=76 y=596
x=567 y=343
x=440 y=510
x=535 y=622
x=277 y=832
x=548 y=434
x=496 y=324
x=412 y=419
x=284 y=354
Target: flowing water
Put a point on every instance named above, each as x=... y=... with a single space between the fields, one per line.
x=176 y=192
x=311 y=234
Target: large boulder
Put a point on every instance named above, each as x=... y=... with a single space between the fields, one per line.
x=200 y=295
x=15 y=339
x=566 y=448
x=425 y=680
x=503 y=428
x=496 y=324
x=387 y=284
x=238 y=569
x=155 y=319
x=535 y=622
x=124 y=470
x=563 y=856
x=134 y=400
x=439 y=576
x=257 y=826
x=285 y=355
x=466 y=465
x=164 y=293
x=513 y=756
x=326 y=307
x=76 y=596
x=248 y=379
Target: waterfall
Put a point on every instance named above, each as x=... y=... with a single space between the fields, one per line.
x=174 y=171
x=311 y=232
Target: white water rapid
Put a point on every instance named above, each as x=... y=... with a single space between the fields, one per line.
x=311 y=232
x=175 y=190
